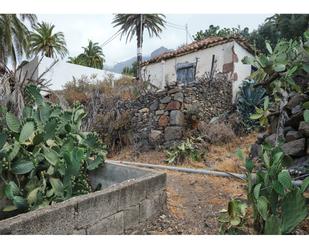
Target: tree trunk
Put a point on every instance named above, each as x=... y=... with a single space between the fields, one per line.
x=139 y=36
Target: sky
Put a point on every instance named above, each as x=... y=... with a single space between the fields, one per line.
x=78 y=29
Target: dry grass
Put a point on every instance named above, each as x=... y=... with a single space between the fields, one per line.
x=219 y=157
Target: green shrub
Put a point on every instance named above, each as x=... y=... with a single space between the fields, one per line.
x=188 y=149
x=45 y=157
x=232 y=220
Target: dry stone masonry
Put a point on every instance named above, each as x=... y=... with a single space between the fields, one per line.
x=164 y=120
x=294 y=136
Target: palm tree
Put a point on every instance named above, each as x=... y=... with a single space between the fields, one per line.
x=92 y=56
x=134 y=25
x=43 y=40
x=14 y=36
x=76 y=60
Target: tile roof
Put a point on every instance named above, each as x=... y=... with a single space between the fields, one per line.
x=198 y=45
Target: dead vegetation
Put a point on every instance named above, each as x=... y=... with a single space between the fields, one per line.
x=218 y=157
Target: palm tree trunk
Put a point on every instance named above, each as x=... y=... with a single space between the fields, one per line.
x=139 y=34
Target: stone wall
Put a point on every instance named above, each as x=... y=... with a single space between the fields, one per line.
x=113 y=210
x=163 y=120
x=293 y=135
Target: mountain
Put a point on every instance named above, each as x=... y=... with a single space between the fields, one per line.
x=117 y=68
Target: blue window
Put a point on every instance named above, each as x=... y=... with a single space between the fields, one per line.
x=185 y=72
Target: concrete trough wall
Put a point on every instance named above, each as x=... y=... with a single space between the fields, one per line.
x=130 y=196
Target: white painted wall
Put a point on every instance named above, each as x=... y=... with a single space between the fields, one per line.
x=243 y=71
x=223 y=54
x=62 y=72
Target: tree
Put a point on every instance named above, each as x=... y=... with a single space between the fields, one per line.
x=77 y=60
x=132 y=70
x=14 y=36
x=92 y=56
x=220 y=32
x=46 y=42
x=134 y=25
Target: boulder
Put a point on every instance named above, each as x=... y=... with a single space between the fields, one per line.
x=292 y=135
x=173 y=133
x=295 y=148
x=177 y=118
x=304 y=128
x=173 y=105
x=165 y=100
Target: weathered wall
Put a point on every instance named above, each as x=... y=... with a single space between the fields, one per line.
x=242 y=71
x=109 y=211
x=162 y=118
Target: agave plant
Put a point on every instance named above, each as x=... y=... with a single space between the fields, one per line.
x=248 y=99
x=45 y=157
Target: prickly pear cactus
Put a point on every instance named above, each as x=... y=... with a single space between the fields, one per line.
x=44 y=155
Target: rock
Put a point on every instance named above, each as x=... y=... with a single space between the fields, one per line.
x=165 y=100
x=173 y=105
x=287 y=129
x=304 y=128
x=292 y=135
x=294 y=120
x=297 y=109
x=273 y=124
x=174 y=90
x=255 y=151
x=163 y=120
x=159 y=112
x=177 y=118
x=144 y=110
x=296 y=100
x=294 y=148
x=173 y=133
x=178 y=97
x=154 y=106
x=261 y=137
x=155 y=135
x=162 y=106
x=271 y=139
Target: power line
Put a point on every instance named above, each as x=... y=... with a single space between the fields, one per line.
x=170 y=26
x=111 y=38
x=174 y=24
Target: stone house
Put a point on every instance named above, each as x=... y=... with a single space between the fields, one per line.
x=187 y=63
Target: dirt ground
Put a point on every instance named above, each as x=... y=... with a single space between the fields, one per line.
x=193 y=204
x=194 y=201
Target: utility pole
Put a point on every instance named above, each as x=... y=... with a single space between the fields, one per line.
x=186 y=27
